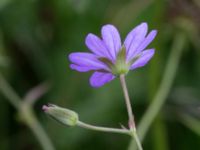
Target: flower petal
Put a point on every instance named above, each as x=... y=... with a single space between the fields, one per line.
x=144 y=59
x=96 y=45
x=112 y=40
x=80 y=68
x=147 y=41
x=98 y=79
x=87 y=60
x=134 y=39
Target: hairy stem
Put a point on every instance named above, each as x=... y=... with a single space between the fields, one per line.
x=164 y=89
x=103 y=129
x=127 y=101
x=130 y=113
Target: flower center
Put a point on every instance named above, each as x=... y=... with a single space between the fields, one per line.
x=120 y=66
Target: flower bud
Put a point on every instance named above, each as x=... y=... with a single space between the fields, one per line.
x=62 y=115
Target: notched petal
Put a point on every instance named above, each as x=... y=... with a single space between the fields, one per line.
x=86 y=60
x=144 y=59
x=150 y=37
x=112 y=39
x=134 y=39
x=96 y=45
x=81 y=68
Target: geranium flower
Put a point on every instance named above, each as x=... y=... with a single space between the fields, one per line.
x=109 y=58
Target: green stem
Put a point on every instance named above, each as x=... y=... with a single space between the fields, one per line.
x=159 y=131
x=190 y=121
x=137 y=140
x=164 y=89
x=130 y=113
x=25 y=110
x=127 y=101
x=103 y=129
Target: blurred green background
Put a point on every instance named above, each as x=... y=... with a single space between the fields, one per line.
x=36 y=37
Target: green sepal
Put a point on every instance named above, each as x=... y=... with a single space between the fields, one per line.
x=121 y=67
x=134 y=59
x=107 y=62
x=121 y=56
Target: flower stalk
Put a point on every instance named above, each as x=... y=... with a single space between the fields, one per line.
x=132 y=126
x=103 y=129
x=127 y=101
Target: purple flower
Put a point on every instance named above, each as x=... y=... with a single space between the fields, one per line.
x=109 y=57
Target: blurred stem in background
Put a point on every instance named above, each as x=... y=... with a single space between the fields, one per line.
x=164 y=89
x=25 y=110
x=191 y=122
x=158 y=131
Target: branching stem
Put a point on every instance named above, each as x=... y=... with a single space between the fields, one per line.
x=132 y=126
